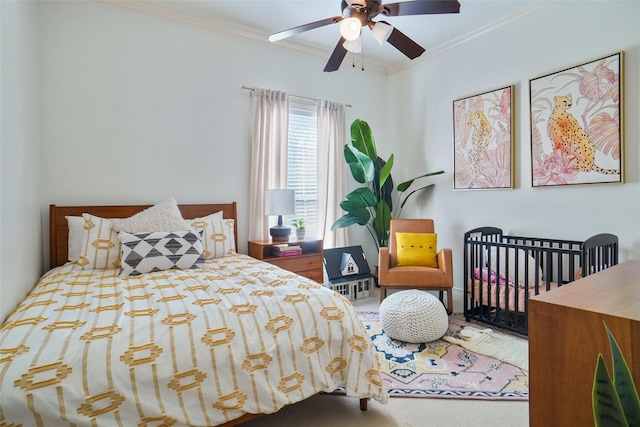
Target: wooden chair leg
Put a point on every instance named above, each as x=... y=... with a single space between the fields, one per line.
x=449 y=301
x=383 y=293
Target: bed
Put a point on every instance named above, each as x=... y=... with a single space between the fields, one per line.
x=217 y=344
x=501 y=272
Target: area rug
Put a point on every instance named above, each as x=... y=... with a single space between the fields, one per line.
x=444 y=369
x=501 y=346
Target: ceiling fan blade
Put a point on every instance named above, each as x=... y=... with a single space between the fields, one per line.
x=336 y=57
x=421 y=7
x=302 y=28
x=404 y=44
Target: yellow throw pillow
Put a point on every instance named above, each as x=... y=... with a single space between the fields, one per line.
x=416 y=249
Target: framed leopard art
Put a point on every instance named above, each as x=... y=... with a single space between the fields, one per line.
x=576 y=124
x=483 y=140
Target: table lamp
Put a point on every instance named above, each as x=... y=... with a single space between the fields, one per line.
x=280 y=202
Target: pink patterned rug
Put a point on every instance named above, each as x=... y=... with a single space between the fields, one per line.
x=442 y=369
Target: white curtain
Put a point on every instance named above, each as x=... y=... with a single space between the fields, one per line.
x=268 y=155
x=332 y=172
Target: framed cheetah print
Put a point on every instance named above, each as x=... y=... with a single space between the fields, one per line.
x=483 y=140
x=576 y=124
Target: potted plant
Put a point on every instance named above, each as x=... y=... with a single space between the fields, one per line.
x=298 y=223
x=372 y=205
x=615 y=398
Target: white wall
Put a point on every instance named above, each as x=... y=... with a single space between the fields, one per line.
x=554 y=37
x=20 y=220
x=137 y=108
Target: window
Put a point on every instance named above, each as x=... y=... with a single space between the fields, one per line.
x=302 y=161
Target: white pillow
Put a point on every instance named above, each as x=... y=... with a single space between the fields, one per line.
x=199 y=223
x=100 y=244
x=219 y=237
x=510 y=273
x=75 y=225
x=164 y=216
x=160 y=251
x=75 y=235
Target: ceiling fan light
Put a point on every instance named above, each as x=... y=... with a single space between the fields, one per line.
x=381 y=31
x=350 y=28
x=354 y=46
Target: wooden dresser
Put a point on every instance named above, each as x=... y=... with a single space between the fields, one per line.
x=309 y=264
x=566 y=333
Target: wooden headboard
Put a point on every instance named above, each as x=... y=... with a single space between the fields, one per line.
x=59 y=230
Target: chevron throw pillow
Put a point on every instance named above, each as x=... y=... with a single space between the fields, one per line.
x=159 y=251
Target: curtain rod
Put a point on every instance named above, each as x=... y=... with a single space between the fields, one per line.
x=251 y=89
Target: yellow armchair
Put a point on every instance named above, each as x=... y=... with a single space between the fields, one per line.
x=392 y=276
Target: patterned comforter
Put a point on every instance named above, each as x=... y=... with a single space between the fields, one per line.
x=192 y=347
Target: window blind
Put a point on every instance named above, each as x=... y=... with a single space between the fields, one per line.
x=302 y=161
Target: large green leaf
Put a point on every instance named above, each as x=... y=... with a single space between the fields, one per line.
x=403 y=186
x=345 y=221
x=607 y=409
x=362 y=138
x=362 y=197
x=385 y=191
x=361 y=166
x=356 y=205
x=623 y=383
x=356 y=211
x=413 y=192
x=385 y=172
x=381 y=222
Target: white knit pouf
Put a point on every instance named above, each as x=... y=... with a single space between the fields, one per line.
x=413 y=316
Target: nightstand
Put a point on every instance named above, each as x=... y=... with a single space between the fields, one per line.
x=309 y=264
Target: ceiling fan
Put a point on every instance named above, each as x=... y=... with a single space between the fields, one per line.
x=357 y=14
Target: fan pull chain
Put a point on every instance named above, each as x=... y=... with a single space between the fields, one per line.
x=362 y=55
x=353 y=57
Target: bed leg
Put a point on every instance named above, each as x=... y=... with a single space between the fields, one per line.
x=363 y=404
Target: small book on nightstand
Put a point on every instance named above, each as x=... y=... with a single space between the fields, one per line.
x=286 y=250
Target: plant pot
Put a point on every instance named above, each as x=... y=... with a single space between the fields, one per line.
x=300 y=233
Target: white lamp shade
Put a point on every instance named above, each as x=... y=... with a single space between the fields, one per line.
x=280 y=202
x=381 y=31
x=350 y=28
x=353 y=46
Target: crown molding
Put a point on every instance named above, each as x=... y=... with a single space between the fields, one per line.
x=149 y=9
x=157 y=11
x=471 y=35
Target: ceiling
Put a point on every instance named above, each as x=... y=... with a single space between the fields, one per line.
x=260 y=18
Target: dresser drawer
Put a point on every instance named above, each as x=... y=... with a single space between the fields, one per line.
x=298 y=263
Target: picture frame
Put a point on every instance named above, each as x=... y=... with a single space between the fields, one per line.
x=483 y=140
x=577 y=127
